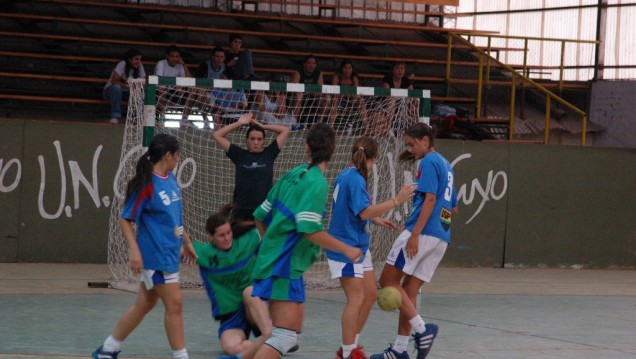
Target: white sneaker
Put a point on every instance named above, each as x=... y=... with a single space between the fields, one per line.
x=114 y=121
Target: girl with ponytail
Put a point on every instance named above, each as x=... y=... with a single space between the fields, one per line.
x=351 y=216
x=153 y=202
x=291 y=222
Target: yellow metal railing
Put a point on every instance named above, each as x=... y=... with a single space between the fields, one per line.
x=483 y=78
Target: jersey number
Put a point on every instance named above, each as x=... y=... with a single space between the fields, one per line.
x=449 y=187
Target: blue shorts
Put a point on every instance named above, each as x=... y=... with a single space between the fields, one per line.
x=238 y=320
x=277 y=288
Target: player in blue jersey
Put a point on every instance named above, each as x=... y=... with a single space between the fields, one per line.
x=351 y=216
x=153 y=202
x=420 y=247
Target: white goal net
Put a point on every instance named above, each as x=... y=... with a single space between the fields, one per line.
x=206 y=175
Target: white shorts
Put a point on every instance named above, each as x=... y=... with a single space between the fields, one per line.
x=341 y=269
x=429 y=253
x=151 y=277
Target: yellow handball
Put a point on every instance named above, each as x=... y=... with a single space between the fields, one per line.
x=389 y=298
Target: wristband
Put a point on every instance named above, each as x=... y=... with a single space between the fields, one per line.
x=395 y=204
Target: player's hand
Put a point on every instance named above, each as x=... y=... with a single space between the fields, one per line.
x=405 y=193
x=188 y=253
x=246 y=118
x=254 y=122
x=382 y=222
x=412 y=245
x=135 y=261
x=354 y=254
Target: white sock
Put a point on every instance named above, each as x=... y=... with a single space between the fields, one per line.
x=357 y=339
x=401 y=343
x=346 y=349
x=418 y=324
x=111 y=344
x=180 y=354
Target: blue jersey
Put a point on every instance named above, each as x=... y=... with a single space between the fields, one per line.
x=156 y=208
x=350 y=197
x=434 y=175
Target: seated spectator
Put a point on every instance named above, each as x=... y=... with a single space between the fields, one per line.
x=350 y=110
x=172 y=66
x=213 y=69
x=384 y=121
x=309 y=108
x=270 y=107
x=397 y=79
x=116 y=89
x=238 y=61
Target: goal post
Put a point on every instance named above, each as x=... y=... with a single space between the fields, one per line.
x=206 y=175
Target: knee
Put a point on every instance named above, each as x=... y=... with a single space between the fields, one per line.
x=282 y=339
x=174 y=306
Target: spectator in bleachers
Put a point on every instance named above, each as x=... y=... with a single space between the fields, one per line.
x=397 y=78
x=270 y=107
x=238 y=61
x=213 y=69
x=309 y=108
x=172 y=66
x=116 y=88
x=382 y=121
x=350 y=109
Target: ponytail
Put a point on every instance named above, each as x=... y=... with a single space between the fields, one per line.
x=159 y=146
x=364 y=148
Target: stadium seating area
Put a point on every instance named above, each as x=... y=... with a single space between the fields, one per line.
x=56 y=55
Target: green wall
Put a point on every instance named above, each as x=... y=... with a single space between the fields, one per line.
x=519 y=205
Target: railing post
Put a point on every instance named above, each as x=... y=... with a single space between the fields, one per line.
x=524 y=70
x=548 y=100
x=449 y=54
x=584 y=130
x=561 y=66
x=479 y=85
x=511 y=122
x=487 y=87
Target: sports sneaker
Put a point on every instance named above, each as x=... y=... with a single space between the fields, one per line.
x=294 y=348
x=101 y=354
x=424 y=341
x=389 y=353
x=114 y=121
x=357 y=353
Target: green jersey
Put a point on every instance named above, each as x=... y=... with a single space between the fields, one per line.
x=226 y=274
x=295 y=206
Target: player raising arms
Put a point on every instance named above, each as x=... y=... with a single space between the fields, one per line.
x=153 y=202
x=420 y=247
x=226 y=262
x=350 y=216
x=291 y=220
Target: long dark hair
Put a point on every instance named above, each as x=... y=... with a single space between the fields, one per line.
x=127 y=57
x=418 y=131
x=159 y=146
x=364 y=148
x=321 y=140
x=226 y=215
x=345 y=62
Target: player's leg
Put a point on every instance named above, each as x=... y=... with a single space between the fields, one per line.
x=430 y=253
x=370 y=292
x=234 y=341
x=257 y=312
x=170 y=295
x=354 y=291
x=287 y=318
x=145 y=301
